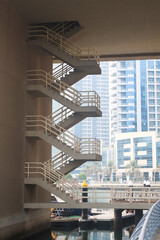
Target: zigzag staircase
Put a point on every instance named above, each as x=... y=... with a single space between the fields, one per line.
x=66 y=29
x=53 y=129
x=48 y=41
x=41 y=127
x=52 y=181
x=63 y=163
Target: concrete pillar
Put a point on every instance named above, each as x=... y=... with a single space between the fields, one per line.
x=118 y=224
x=85 y=194
x=138 y=215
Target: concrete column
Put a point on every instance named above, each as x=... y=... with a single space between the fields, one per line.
x=138 y=215
x=118 y=224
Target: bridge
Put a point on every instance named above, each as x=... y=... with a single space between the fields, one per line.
x=115 y=196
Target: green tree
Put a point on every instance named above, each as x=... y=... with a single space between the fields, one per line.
x=157 y=169
x=69 y=175
x=82 y=176
x=133 y=169
x=110 y=168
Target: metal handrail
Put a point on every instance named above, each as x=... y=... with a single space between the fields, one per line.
x=81 y=145
x=60 y=114
x=36 y=169
x=64 y=44
x=80 y=98
x=123 y=194
x=62 y=70
x=62 y=27
x=59 y=160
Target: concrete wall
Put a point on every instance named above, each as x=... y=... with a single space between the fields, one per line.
x=15 y=58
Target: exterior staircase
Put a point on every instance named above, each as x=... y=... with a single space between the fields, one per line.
x=63 y=163
x=52 y=181
x=66 y=29
x=44 y=84
x=77 y=105
x=48 y=41
x=41 y=127
x=68 y=74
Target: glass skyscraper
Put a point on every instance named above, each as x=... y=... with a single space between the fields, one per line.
x=96 y=127
x=134 y=97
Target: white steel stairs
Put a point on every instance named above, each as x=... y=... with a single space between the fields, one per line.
x=48 y=41
x=41 y=127
x=52 y=181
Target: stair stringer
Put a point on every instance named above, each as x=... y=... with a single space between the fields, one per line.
x=72 y=165
x=89 y=66
x=63 y=147
x=42 y=91
x=50 y=188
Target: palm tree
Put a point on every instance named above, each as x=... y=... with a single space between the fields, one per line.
x=110 y=168
x=157 y=169
x=133 y=169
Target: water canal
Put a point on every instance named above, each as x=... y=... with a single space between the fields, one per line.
x=78 y=234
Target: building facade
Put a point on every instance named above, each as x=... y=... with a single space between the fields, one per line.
x=97 y=127
x=143 y=147
x=134 y=97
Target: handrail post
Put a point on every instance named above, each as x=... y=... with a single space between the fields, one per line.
x=27 y=169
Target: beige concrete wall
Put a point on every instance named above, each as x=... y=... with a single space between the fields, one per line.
x=15 y=58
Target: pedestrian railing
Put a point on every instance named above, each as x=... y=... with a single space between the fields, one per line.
x=117 y=194
x=62 y=70
x=59 y=160
x=43 y=171
x=79 y=145
x=60 y=114
x=62 y=43
x=80 y=98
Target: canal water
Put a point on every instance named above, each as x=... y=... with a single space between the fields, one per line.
x=78 y=234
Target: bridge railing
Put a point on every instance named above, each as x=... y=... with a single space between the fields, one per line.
x=124 y=194
x=148 y=225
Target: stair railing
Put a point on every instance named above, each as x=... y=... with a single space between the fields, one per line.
x=62 y=27
x=80 y=98
x=90 y=98
x=43 y=78
x=39 y=169
x=80 y=145
x=60 y=114
x=64 y=44
x=59 y=160
x=62 y=70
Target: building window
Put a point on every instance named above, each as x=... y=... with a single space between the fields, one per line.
x=158 y=94
x=152 y=124
x=157 y=73
x=150 y=64
x=151 y=109
x=151 y=116
x=151 y=101
x=151 y=87
x=158 y=64
x=158 y=87
x=151 y=80
x=151 y=94
x=150 y=73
